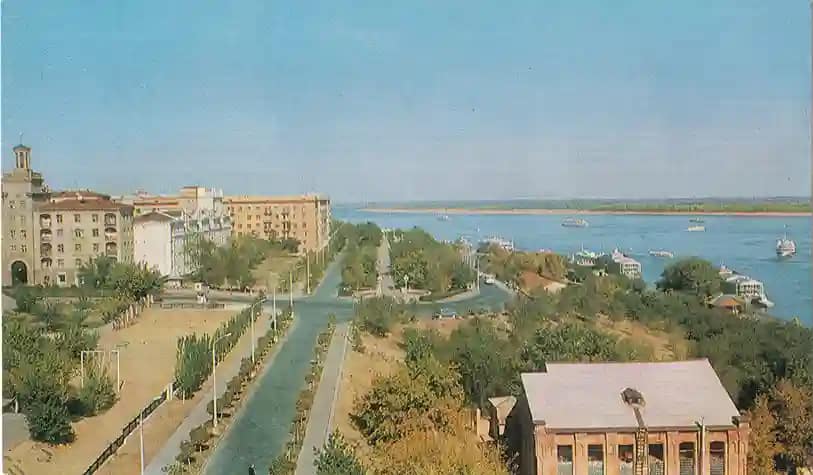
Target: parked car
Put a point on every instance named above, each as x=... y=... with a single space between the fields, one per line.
x=445 y=313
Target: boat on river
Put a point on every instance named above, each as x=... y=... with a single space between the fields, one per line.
x=575 y=223
x=661 y=253
x=785 y=247
x=696 y=229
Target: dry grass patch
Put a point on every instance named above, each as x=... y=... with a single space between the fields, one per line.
x=665 y=346
x=147 y=366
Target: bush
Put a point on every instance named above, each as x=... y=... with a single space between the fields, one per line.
x=97 y=394
x=337 y=458
x=49 y=421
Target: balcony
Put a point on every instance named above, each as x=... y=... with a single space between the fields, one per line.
x=45 y=249
x=45 y=235
x=111 y=249
x=109 y=219
x=45 y=262
x=110 y=234
x=45 y=220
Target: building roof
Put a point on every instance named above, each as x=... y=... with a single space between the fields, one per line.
x=307 y=198
x=154 y=216
x=588 y=396
x=503 y=405
x=727 y=301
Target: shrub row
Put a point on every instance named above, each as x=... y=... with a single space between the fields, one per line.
x=193 y=361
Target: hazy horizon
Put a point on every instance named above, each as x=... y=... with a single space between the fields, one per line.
x=421 y=101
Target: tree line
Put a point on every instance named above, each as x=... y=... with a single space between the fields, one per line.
x=427 y=263
x=359 y=269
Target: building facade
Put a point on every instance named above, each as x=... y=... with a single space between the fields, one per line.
x=49 y=235
x=306 y=218
x=627 y=419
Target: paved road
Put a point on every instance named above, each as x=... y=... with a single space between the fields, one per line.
x=323 y=402
x=383 y=267
x=226 y=370
x=15 y=430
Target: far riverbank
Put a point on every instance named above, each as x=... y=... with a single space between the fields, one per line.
x=539 y=211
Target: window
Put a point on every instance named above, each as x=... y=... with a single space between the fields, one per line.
x=595 y=460
x=60 y=248
x=11 y=204
x=257 y=217
x=626 y=459
x=59 y=218
x=686 y=458
x=78 y=233
x=717 y=458
x=13 y=248
x=77 y=262
x=11 y=234
x=46 y=280
x=564 y=455
x=657 y=460
x=23 y=248
x=22 y=219
x=59 y=232
x=94 y=218
x=95 y=247
x=61 y=278
x=95 y=232
x=23 y=234
x=60 y=263
x=77 y=247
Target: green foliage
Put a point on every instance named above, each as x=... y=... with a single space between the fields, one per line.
x=425 y=396
x=229 y=265
x=97 y=394
x=97 y=273
x=429 y=264
x=337 y=457
x=508 y=266
x=27 y=298
x=568 y=342
x=361 y=242
x=112 y=308
x=377 y=315
x=692 y=275
x=49 y=420
x=193 y=360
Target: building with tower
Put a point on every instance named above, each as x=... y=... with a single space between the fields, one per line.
x=48 y=235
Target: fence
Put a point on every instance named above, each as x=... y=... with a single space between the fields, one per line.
x=208 y=306
x=128 y=429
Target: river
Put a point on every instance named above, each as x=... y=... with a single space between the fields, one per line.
x=745 y=244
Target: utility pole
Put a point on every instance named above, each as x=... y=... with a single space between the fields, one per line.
x=141 y=437
x=291 y=292
x=274 y=310
x=308 y=270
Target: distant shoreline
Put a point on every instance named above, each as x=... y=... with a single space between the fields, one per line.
x=540 y=211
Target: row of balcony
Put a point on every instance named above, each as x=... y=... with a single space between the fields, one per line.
x=110 y=234
x=110 y=249
x=45 y=219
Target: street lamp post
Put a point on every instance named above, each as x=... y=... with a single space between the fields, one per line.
x=214 y=379
x=258 y=302
x=274 y=312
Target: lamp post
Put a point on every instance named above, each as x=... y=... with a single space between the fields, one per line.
x=274 y=312
x=214 y=379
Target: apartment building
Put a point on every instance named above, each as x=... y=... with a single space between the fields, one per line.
x=49 y=235
x=627 y=419
x=305 y=218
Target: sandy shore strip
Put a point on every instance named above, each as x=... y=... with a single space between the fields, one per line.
x=573 y=212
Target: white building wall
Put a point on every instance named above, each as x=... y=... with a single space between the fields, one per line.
x=152 y=245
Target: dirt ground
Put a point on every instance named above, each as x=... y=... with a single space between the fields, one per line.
x=147 y=366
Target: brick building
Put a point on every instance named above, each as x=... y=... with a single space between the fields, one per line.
x=672 y=418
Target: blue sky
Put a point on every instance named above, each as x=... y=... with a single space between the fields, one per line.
x=371 y=100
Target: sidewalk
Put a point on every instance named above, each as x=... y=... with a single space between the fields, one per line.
x=226 y=370
x=319 y=420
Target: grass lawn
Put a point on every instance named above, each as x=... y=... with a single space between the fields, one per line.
x=276 y=266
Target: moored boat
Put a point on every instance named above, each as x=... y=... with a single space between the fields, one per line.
x=661 y=253
x=696 y=229
x=575 y=223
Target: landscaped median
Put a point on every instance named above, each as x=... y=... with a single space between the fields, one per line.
x=203 y=438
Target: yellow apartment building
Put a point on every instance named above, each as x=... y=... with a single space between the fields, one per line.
x=305 y=218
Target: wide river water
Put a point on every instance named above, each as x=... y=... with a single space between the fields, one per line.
x=745 y=244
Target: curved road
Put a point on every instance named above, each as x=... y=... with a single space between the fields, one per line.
x=259 y=432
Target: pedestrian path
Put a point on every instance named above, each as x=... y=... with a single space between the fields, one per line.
x=321 y=413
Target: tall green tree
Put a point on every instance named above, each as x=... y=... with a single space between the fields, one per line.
x=337 y=457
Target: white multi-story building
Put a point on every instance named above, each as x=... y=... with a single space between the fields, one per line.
x=166 y=225
x=628 y=266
